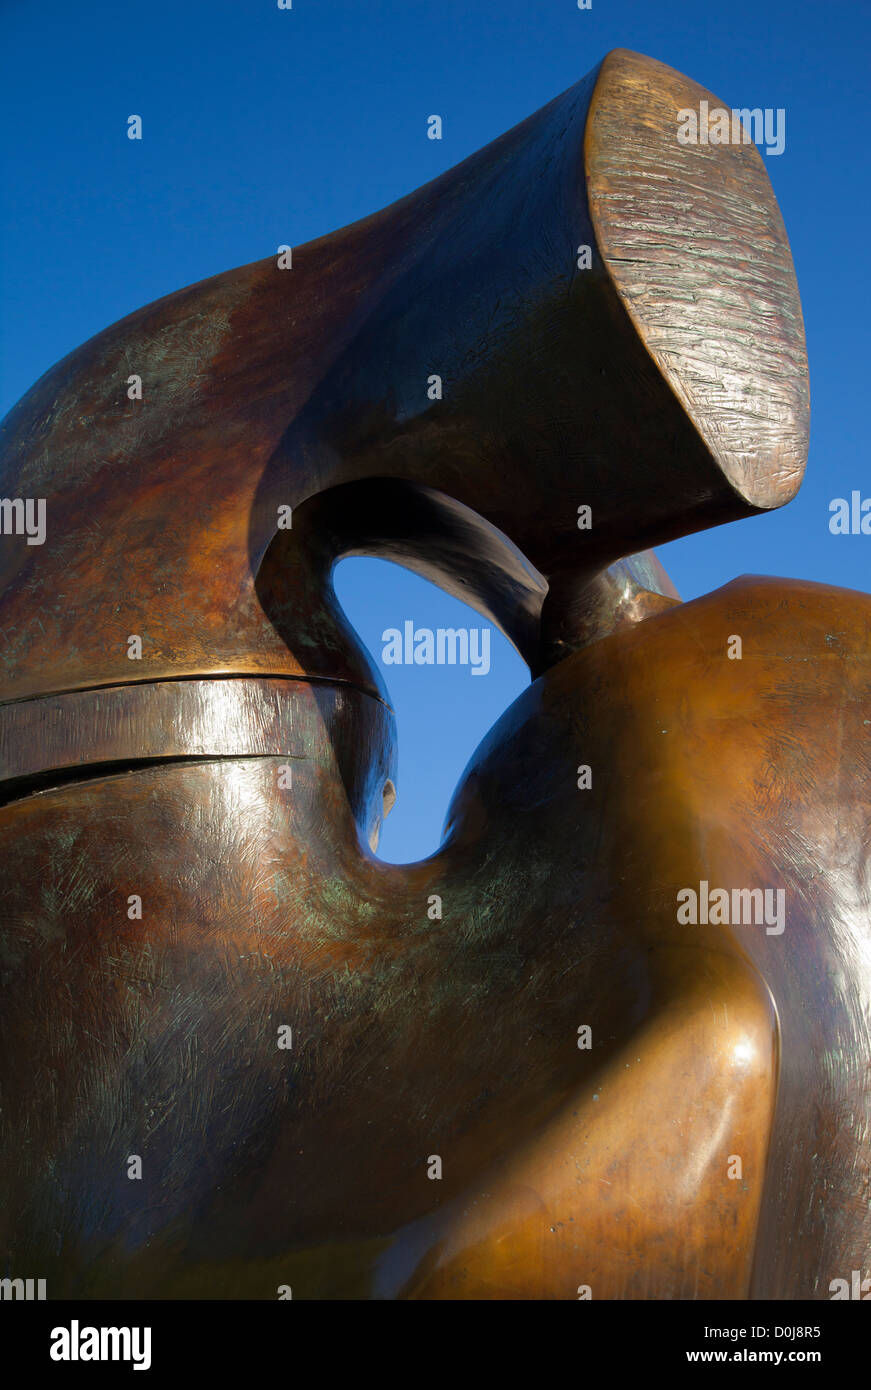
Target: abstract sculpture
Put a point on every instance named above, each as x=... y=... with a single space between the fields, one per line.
x=628 y=1057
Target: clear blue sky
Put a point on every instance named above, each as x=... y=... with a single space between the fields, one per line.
x=264 y=126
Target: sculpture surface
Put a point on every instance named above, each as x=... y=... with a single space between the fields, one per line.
x=236 y=781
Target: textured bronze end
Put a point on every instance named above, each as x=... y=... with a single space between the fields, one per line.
x=693 y=239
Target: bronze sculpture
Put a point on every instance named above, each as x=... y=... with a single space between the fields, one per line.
x=353 y=1080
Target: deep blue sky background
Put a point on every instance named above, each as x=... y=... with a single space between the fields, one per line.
x=263 y=127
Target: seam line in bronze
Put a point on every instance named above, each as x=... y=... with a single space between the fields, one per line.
x=200 y=677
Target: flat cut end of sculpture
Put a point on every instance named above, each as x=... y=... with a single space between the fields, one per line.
x=694 y=241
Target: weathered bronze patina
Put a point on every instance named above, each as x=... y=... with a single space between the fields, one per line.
x=234 y=777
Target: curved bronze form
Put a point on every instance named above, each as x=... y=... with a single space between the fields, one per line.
x=234 y=778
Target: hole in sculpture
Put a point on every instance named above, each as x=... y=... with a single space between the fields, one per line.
x=450 y=674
